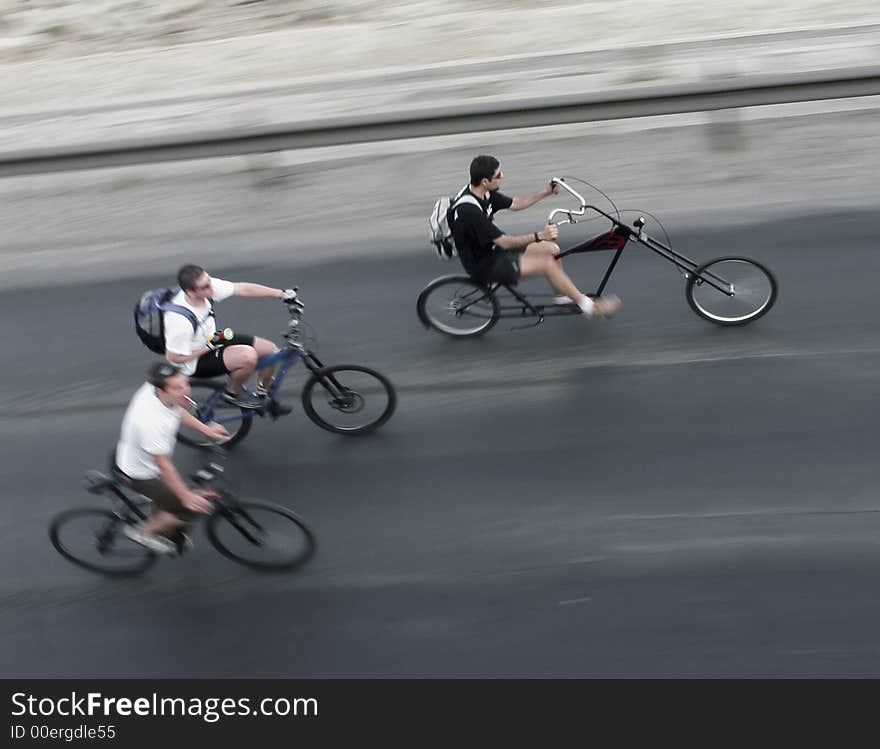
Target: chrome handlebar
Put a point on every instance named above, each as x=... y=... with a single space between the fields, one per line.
x=570 y=213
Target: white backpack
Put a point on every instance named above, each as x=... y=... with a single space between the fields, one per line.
x=439 y=221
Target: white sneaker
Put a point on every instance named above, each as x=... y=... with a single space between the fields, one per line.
x=159 y=544
x=603 y=306
x=561 y=299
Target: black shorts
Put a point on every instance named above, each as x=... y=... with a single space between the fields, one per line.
x=503 y=267
x=211 y=364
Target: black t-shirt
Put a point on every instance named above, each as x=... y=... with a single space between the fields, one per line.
x=474 y=231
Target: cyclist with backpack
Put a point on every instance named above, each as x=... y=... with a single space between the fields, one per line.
x=180 y=323
x=491 y=256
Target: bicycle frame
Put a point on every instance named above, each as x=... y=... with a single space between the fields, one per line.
x=225 y=501
x=619 y=235
x=99 y=483
x=115 y=487
x=115 y=484
x=216 y=410
x=286 y=357
x=614 y=240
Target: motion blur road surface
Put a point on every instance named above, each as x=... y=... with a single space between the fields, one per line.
x=643 y=496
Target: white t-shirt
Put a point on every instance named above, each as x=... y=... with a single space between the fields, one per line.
x=149 y=428
x=179 y=335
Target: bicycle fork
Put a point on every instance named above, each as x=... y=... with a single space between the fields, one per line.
x=336 y=391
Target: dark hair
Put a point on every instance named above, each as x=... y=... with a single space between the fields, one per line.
x=188 y=275
x=483 y=167
x=160 y=372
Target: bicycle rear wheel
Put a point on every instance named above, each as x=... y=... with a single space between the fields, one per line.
x=238 y=426
x=458 y=307
x=261 y=535
x=348 y=399
x=749 y=291
x=92 y=538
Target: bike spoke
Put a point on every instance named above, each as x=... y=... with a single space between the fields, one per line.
x=348 y=399
x=747 y=291
x=94 y=539
x=459 y=308
x=261 y=535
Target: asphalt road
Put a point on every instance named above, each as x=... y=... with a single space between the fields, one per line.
x=643 y=496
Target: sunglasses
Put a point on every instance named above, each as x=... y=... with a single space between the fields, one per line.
x=168 y=370
x=203 y=287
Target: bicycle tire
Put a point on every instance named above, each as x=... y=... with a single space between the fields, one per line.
x=246 y=515
x=343 y=405
x=751 y=305
x=440 y=302
x=142 y=557
x=237 y=434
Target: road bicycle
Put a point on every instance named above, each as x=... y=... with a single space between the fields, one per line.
x=347 y=399
x=260 y=535
x=727 y=291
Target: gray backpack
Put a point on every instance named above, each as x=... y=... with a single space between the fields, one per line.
x=149 y=317
x=441 y=219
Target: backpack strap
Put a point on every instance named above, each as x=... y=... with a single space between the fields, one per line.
x=187 y=313
x=469 y=199
x=465 y=197
x=180 y=310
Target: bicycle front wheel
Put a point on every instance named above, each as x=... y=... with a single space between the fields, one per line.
x=207 y=409
x=731 y=291
x=458 y=306
x=261 y=535
x=92 y=538
x=348 y=399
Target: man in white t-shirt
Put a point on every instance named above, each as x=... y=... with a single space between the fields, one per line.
x=143 y=457
x=200 y=352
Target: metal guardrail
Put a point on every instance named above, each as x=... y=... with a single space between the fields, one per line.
x=489 y=116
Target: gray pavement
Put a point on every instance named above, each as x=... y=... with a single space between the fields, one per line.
x=648 y=496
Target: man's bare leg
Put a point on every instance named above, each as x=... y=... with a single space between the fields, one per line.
x=265 y=347
x=540 y=259
x=241 y=362
x=160 y=522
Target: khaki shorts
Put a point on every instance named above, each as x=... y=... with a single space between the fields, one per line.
x=161 y=494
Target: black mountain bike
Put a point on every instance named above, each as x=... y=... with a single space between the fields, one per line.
x=726 y=291
x=260 y=535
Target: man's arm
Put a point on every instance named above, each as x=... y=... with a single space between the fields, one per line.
x=518 y=241
x=522 y=202
x=256 y=290
x=485 y=232
x=172 y=479
x=178 y=339
x=212 y=431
